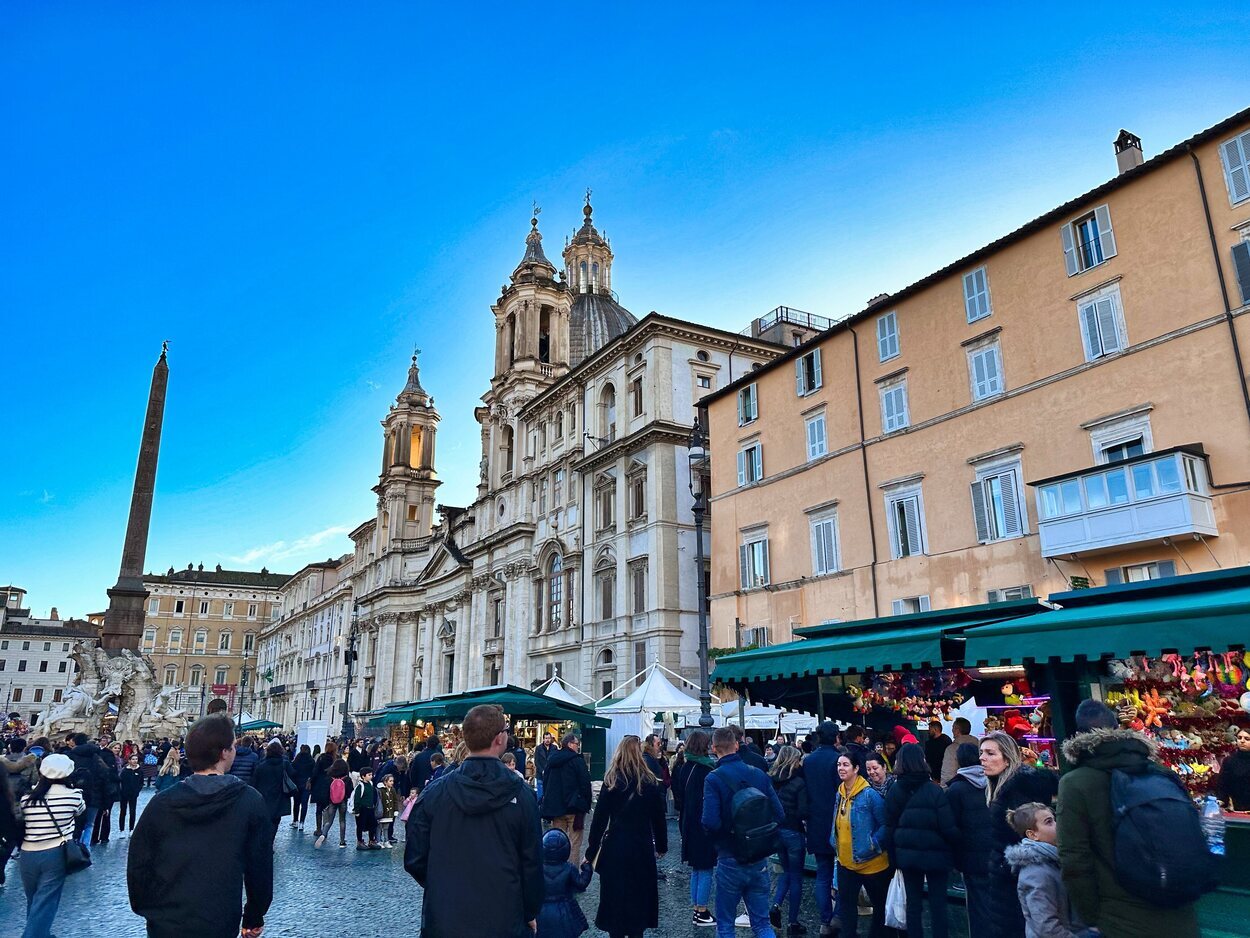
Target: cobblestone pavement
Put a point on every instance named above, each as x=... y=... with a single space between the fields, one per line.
x=350 y=892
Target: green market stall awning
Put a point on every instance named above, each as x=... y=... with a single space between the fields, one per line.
x=1176 y=614
x=260 y=725
x=517 y=702
x=886 y=643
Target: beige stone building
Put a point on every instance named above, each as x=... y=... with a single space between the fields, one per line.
x=202 y=627
x=1066 y=406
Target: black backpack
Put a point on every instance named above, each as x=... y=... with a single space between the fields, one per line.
x=1161 y=853
x=752 y=824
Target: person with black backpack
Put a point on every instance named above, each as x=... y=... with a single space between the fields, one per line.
x=742 y=811
x=1130 y=840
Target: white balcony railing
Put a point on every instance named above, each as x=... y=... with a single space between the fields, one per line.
x=1131 y=502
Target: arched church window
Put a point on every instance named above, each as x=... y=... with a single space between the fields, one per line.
x=555 y=591
x=507 y=449
x=510 y=338
x=583 y=280
x=559 y=424
x=607 y=412
x=594 y=276
x=607 y=658
x=544 y=335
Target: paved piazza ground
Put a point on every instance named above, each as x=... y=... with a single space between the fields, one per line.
x=345 y=891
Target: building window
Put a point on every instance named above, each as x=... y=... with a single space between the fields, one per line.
x=1102 y=323
x=753 y=560
x=640 y=657
x=977 y=295
x=825 y=549
x=38 y=695
x=56 y=695
x=223 y=642
x=249 y=641
x=1140 y=572
x=25 y=646
x=154 y=606
x=605 y=687
x=807 y=373
x=638 y=496
x=748 y=404
x=635 y=396
x=904 y=510
x=894 y=411
x=201 y=641
x=1088 y=241
x=61 y=667
x=555 y=591
x=751 y=464
x=638 y=586
x=1007 y=594
x=203 y=607
x=985 y=370
x=817 y=445
x=220 y=676
x=912 y=604
x=197 y=676
x=606 y=587
x=149 y=640
x=175 y=641
x=557 y=487
x=997 y=510
x=43 y=667
x=171 y=675
x=65 y=646
x=1236 y=158
x=228 y=610
x=178 y=607
x=1121 y=437
x=47 y=646
x=705 y=382
x=1241 y=267
x=607 y=412
x=887 y=337
x=17 y=695
x=559 y=425
x=1127 y=449
x=605 y=500
x=251 y=610
x=542 y=497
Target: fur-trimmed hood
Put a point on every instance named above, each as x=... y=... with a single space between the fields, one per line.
x=1110 y=749
x=1030 y=853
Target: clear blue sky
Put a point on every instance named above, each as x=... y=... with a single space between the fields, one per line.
x=294 y=194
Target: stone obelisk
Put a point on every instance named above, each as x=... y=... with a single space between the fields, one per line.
x=123 y=623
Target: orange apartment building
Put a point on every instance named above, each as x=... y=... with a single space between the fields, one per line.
x=1064 y=407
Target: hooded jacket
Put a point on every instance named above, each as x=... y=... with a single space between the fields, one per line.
x=1087 y=839
x=476 y=834
x=91 y=774
x=268 y=778
x=245 y=760
x=920 y=831
x=566 y=786
x=196 y=848
x=820 y=769
x=1044 y=901
x=966 y=797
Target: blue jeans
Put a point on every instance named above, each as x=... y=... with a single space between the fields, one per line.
x=748 y=883
x=43 y=876
x=825 y=882
x=700 y=887
x=790 y=881
x=88 y=825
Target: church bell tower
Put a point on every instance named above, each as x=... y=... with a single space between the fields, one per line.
x=406 y=485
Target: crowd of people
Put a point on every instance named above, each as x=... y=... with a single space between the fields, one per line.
x=891 y=825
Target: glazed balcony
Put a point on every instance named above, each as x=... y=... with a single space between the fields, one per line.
x=1134 y=501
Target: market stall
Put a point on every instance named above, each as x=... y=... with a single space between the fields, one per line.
x=635 y=714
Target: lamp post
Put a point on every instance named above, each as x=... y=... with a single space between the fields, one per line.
x=698 y=465
x=349 y=725
x=242 y=687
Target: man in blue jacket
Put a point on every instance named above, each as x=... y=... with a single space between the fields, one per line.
x=734 y=880
x=820 y=769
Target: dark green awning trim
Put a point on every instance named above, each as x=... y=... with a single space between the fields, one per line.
x=518 y=703
x=1179 y=614
x=901 y=648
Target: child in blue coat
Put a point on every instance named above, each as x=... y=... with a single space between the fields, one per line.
x=561 y=916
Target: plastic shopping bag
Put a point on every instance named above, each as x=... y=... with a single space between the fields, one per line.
x=408 y=803
x=896 y=903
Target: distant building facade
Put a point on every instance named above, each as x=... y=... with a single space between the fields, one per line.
x=35 y=666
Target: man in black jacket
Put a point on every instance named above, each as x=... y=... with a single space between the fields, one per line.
x=420 y=770
x=200 y=844
x=542 y=753
x=474 y=843
x=91 y=776
x=566 y=791
x=245 y=760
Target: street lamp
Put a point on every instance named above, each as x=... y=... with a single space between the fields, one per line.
x=349 y=725
x=242 y=686
x=698 y=465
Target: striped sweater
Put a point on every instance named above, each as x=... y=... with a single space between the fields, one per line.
x=48 y=827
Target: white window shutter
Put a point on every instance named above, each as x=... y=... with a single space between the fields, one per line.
x=882 y=335
x=818 y=560
x=1108 y=328
x=742 y=467
x=800 y=387
x=821 y=446
x=744 y=566
x=1089 y=331
x=741 y=410
x=1241 y=265
x=764 y=572
x=979 y=516
x=1069 y=250
x=755 y=402
x=1236 y=153
x=816 y=368
x=970 y=296
x=896 y=549
x=1011 y=505
x=1106 y=238
x=912 y=509
x=924 y=604
x=904 y=416
x=897 y=607
x=983 y=291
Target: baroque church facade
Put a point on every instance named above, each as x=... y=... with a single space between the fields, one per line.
x=577 y=556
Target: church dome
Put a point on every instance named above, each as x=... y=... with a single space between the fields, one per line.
x=596 y=318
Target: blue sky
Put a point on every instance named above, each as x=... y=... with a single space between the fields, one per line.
x=294 y=194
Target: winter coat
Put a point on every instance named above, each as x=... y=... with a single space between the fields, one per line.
x=561 y=916
x=1027 y=784
x=131 y=783
x=566 y=787
x=10 y=814
x=320 y=779
x=627 y=831
x=950 y=758
x=245 y=761
x=730 y=776
x=678 y=784
x=1087 y=843
x=966 y=797
x=920 y=831
x=698 y=847
x=91 y=775
x=1043 y=900
x=388 y=803
x=1233 y=782
x=473 y=843
x=268 y=779
x=541 y=755
x=792 y=793
x=302 y=769
x=820 y=769
x=23 y=773
x=934 y=752
x=356 y=758
x=752 y=756
x=195 y=850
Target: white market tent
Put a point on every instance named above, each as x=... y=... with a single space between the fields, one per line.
x=557 y=689
x=762 y=717
x=635 y=714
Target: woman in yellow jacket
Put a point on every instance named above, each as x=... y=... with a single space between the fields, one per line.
x=858 y=829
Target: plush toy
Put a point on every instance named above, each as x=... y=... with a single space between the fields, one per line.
x=1010 y=696
x=1016 y=725
x=1154 y=707
x=993 y=724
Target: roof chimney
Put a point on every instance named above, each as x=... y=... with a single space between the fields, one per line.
x=55 y=616
x=1128 y=151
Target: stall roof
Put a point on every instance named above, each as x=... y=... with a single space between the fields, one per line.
x=880 y=644
x=656 y=694
x=1175 y=614
x=517 y=702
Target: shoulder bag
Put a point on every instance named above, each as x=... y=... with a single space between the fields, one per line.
x=77 y=857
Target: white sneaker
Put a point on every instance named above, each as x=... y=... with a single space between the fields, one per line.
x=319 y=841
x=742 y=921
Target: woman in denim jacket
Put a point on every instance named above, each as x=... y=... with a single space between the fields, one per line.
x=858 y=829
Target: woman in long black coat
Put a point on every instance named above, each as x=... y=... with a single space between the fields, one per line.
x=698 y=849
x=627 y=833
x=270 y=778
x=301 y=771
